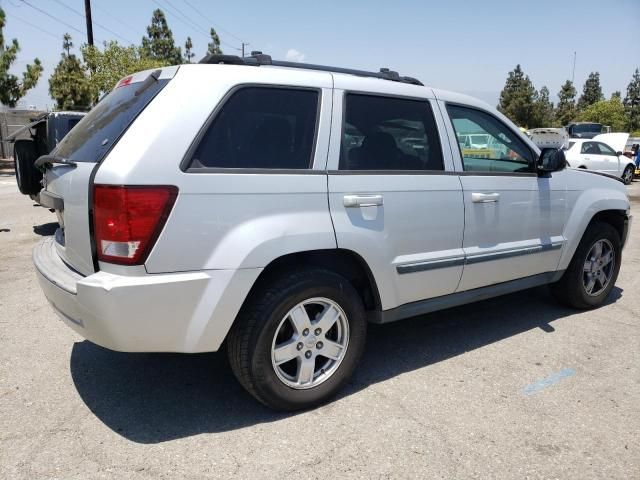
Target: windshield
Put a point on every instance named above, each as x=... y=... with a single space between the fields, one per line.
x=98 y=131
x=587 y=128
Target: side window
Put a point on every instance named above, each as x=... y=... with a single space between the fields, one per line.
x=261 y=127
x=605 y=149
x=590 y=148
x=490 y=146
x=384 y=133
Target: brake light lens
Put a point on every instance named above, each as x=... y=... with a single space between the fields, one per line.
x=127 y=220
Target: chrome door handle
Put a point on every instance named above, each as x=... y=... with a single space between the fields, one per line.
x=484 y=197
x=351 y=201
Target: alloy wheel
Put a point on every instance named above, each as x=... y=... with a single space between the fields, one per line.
x=310 y=343
x=598 y=267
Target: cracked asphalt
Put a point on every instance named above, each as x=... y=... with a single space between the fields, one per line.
x=514 y=387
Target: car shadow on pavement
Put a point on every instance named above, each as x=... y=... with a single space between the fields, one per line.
x=153 y=398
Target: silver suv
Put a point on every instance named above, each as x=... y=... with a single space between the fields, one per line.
x=275 y=208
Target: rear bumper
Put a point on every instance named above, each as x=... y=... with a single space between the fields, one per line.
x=180 y=312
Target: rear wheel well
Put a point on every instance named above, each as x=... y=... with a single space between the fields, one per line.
x=615 y=218
x=346 y=263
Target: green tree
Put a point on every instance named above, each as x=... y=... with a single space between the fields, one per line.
x=158 y=44
x=591 y=92
x=566 y=110
x=517 y=98
x=69 y=85
x=608 y=112
x=114 y=62
x=188 y=50
x=632 y=102
x=213 y=48
x=543 y=110
x=11 y=88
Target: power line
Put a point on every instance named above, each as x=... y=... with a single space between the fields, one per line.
x=191 y=23
x=217 y=25
x=54 y=18
x=77 y=12
x=40 y=29
x=108 y=14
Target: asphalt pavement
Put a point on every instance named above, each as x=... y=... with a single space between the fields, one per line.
x=513 y=387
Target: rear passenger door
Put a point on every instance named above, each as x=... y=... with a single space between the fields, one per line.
x=393 y=196
x=514 y=218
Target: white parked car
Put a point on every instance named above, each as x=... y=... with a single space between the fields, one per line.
x=274 y=208
x=602 y=153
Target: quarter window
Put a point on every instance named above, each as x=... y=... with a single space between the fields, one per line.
x=261 y=127
x=486 y=144
x=384 y=133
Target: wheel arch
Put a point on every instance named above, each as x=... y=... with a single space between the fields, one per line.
x=341 y=261
x=588 y=210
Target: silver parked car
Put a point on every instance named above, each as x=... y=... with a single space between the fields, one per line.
x=278 y=207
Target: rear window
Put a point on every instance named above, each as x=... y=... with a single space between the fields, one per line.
x=261 y=128
x=97 y=132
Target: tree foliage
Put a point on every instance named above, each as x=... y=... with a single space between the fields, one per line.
x=188 y=50
x=213 y=48
x=517 y=98
x=113 y=62
x=608 y=112
x=69 y=85
x=591 y=92
x=566 y=110
x=11 y=88
x=158 y=45
x=632 y=102
x=543 y=110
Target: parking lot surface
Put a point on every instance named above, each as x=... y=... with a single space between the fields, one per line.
x=513 y=387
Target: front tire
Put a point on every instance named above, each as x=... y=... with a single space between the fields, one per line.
x=298 y=339
x=593 y=270
x=627 y=175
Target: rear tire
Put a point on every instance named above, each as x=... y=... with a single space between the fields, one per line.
x=593 y=270
x=28 y=176
x=282 y=320
x=627 y=175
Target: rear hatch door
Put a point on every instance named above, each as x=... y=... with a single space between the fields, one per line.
x=70 y=168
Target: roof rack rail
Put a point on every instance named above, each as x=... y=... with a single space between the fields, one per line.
x=258 y=58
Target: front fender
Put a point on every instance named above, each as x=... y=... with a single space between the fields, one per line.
x=585 y=205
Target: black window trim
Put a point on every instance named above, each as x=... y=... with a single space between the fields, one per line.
x=534 y=156
x=393 y=96
x=187 y=160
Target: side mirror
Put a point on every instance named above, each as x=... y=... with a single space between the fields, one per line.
x=551 y=160
x=618 y=153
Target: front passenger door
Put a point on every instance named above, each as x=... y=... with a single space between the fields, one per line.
x=513 y=218
x=608 y=158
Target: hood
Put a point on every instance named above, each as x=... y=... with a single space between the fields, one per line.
x=617 y=141
x=596 y=172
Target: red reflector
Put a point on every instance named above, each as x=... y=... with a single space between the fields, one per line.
x=128 y=219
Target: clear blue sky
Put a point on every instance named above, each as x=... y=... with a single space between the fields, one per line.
x=462 y=46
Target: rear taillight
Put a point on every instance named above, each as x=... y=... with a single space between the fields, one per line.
x=128 y=219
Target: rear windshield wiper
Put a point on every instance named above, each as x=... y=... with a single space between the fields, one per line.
x=48 y=160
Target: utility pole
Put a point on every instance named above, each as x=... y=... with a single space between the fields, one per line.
x=573 y=72
x=244 y=45
x=87 y=14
